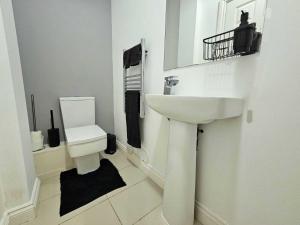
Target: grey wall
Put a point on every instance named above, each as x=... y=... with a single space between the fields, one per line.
x=65 y=48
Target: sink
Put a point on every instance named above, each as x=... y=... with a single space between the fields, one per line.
x=192 y=109
x=185 y=113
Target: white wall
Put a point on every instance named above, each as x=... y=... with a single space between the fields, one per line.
x=127 y=23
x=269 y=159
x=2 y=206
x=217 y=159
x=16 y=70
x=16 y=164
x=248 y=174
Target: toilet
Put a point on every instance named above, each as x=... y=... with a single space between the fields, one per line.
x=84 y=138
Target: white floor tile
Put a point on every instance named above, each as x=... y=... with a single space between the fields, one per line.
x=137 y=201
x=49 y=188
x=83 y=208
x=48 y=211
x=119 y=159
x=101 y=214
x=117 y=154
x=131 y=175
x=155 y=217
x=30 y=223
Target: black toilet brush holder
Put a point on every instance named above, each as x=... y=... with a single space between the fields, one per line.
x=53 y=133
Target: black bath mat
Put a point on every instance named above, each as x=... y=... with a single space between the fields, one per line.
x=78 y=190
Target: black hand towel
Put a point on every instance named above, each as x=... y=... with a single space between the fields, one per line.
x=132 y=57
x=132 y=110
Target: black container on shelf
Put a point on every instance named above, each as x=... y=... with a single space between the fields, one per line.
x=244 y=35
x=53 y=133
x=244 y=40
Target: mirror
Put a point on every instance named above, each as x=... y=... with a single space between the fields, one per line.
x=188 y=22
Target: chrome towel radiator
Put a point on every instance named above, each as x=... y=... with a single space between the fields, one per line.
x=133 y=80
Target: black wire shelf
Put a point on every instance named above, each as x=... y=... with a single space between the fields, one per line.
x=219 y=46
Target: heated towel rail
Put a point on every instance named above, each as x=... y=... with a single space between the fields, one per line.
x=133 y=80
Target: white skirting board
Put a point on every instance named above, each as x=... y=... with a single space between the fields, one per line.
x=146 y=168
x=204 y=215
x=23 y=213
x=4 y=220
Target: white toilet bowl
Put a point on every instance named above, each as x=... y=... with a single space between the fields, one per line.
x=84 y=138
x=84 y=145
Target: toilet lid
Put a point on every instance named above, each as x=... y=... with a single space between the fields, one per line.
x=79 y=135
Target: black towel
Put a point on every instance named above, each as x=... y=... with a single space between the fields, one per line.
x=132 y=57
x=132 y=110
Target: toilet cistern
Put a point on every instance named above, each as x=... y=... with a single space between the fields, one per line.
x=84 y=138
x=170 y=83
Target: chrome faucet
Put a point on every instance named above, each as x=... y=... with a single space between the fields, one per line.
x=170 y=82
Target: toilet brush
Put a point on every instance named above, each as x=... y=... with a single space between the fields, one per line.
x=53 y=133
x=37 y=139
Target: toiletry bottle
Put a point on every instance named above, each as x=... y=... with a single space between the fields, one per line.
x=244 y=35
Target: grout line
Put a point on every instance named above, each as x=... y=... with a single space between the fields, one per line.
x=45 y=176
x=48 y=198
x=114 y=161
x=156 y=207
x=107 y=196
x=84 y=210
x=59 y=193
x=123 y=167
x=45 y=180
x=127 y=188
x=115 y=211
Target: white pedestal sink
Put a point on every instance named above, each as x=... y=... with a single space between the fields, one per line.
x=185 y=113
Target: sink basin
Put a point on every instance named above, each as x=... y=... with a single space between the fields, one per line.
x=197 y=110
x=185 y=113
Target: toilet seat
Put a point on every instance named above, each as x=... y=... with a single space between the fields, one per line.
x=82 y=141
x=85 y=134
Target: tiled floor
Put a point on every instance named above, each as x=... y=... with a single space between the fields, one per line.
x=139 y=202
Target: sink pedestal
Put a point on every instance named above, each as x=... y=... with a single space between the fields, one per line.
x=179 y=190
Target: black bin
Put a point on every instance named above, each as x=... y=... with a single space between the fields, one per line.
x=111 y=144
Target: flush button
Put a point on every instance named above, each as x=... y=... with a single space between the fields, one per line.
x=249 y=116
